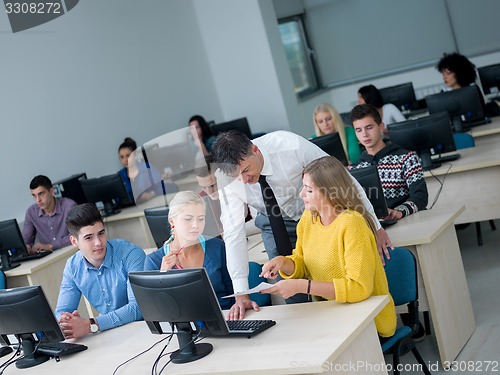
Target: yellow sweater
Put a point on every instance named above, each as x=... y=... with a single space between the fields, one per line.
x=344 y=252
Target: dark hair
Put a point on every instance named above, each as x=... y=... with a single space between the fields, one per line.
x=364 y=110
x=205 y=129
x=371 y=95
x=81 y=216
x=230 y=149
x=42 y=181
x=128 y=143
x=206 y=169
x=465 y=71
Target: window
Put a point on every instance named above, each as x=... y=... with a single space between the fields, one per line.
x=299 y=55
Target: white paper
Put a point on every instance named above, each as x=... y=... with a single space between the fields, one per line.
x=258 y=288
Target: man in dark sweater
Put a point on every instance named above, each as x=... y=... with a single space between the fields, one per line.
x=400 y=170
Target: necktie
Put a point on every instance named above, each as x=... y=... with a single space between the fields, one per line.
x=277 y=224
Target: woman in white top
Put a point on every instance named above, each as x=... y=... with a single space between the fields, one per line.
x=389 y=112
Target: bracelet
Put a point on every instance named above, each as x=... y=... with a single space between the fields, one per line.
x=308 y=286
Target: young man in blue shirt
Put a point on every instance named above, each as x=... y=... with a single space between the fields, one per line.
x=99 y=271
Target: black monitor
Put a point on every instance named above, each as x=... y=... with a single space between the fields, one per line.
x=240 y=124
x=369 y=180
x=402 y=96
x=332 y=145
x=26 y=314
x=346 y=118
x=430 y=135
x=70 y=187
x=490 y=78
x=11 y=243
x=180 y=297
x=464 y=106
x=109 y=190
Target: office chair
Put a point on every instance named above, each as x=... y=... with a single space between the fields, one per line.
x=465 y=140
x=401 y=272
x=254 y=270
x=157 y=219
x=3 y=280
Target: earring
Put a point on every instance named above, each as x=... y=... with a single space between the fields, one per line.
x=172 y=226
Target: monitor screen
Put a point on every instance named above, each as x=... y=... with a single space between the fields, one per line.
x=369 y=179
x=430 y=135
x=26 y=315
x=464 y=106
x=70 y=187
x=332 y=145
x=176 y=160
x=109 y=190
x=180 y=297
x=11 y=243
x=490 y=78
x=240 y=124
x=402 y=96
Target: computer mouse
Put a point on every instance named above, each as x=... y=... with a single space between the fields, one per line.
x=4 y=350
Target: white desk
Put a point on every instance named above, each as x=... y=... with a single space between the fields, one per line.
x=307 y=338
x=488 y=129
x=443 y=288
x=46 y=271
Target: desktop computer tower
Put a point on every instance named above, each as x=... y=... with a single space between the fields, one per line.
x=71 y=188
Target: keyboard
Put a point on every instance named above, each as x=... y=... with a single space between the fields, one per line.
x=248 y=327
x=471 y=124
x=59 y=349
x=387 y=223
x=446 y=158
x=38 y=255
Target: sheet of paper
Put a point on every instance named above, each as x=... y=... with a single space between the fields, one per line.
x=258 y=288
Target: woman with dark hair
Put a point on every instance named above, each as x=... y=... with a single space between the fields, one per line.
x=201 y=133
x=389 y=112
x=457 y=70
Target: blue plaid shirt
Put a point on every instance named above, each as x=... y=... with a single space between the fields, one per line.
x=107 y=288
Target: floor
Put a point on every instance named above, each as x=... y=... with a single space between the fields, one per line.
x=481 y=354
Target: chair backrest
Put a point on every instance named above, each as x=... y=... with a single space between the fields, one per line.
x=401 y=272
x=463 y=140
x=254 y=270
x=157 y=219
x=3 y=280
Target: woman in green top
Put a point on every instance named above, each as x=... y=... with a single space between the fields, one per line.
x=327 y=120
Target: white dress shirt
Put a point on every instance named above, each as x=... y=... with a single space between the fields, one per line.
x=285 y=157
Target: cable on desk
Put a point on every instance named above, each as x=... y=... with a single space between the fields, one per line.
x=194 y=340
x=441 y=184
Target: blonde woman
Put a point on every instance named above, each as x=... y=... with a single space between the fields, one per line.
x=188 y=248
x=335 y=256
x=327 y=120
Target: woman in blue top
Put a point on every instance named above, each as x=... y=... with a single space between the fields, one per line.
x=187 y=248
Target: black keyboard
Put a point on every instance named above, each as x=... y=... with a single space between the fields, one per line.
x=59 y=349
x=38 y=255
x=248 y=327
x=387 y=223
x=446 y=158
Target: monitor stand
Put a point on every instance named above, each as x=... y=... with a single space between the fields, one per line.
x=31 y=357
x=457 y=124
x=188 y=350
x=6 y=261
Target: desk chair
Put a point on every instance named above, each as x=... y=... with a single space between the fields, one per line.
x=3 y=280
x=465 y=140
x=254 y=270
x=157 y=219
x=401 y=271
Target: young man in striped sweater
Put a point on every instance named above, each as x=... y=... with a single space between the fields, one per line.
x=400 y=170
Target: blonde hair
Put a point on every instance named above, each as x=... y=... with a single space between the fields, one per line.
x=337 y=121
x=335 y=183
x=179 y=201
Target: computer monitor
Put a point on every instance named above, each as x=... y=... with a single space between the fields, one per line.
x=430 y=135
x=490 y=79
x=177 y=160
x=180 y=297
x=346 y=118
x=464 y=106
x=369 y=180
x=240 y=124
x=332 y=145
x=26 y=315
x=109 y=190
x=70 y=187
x=402 y=96
x=11 y=243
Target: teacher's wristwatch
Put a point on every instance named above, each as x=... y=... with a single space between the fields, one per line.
x=94 y=328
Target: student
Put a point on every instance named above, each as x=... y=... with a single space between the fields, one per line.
x=400 y=170
x=142 y=181
x=335 y=256
x=187 y=248
x=46 y=218
x=327 y=121
x=202 y=134
x=388 y=112
x=457 y=70
x=280 y=157
x=99 y=271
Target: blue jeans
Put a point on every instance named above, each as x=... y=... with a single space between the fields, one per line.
x=262 y=222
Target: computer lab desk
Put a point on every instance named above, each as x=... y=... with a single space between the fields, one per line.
x=488 y=129
x=473 y=181
x=317 y=337
x=443 y=288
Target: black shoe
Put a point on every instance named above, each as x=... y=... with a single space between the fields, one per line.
x=420 y=335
